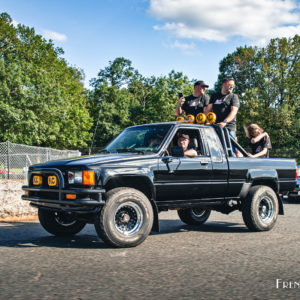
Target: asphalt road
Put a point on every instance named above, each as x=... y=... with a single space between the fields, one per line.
x=221 y=260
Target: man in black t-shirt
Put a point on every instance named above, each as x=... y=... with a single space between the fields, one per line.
x=225 y=105
x=195 y=103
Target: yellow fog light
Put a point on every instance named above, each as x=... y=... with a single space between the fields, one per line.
x=37 y=180
x=71 y=196
x=200 y=118
x=52 y=180
x=190 y=118
x=88 y=177
x=180 y=119
x=211 y=117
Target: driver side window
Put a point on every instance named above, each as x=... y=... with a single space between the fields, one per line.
x=195 y=141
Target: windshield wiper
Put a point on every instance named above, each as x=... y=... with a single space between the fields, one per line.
x=129 y=150
x=104 y=151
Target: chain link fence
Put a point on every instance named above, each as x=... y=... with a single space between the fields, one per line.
x=15 y=158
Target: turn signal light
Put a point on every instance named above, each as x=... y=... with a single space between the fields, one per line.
x=71 y=196
x=88 y=177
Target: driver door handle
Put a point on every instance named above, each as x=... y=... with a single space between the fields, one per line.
x=204 y=162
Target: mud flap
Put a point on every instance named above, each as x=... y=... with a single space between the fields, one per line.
x=281 y=212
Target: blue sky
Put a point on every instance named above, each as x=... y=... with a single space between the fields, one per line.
x=189 y=36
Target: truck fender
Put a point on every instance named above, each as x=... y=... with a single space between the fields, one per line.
x=259 y=176
x=263 y=175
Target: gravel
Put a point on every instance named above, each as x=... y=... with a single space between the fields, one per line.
x=11 y=204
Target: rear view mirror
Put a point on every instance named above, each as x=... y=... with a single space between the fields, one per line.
x=177 y=151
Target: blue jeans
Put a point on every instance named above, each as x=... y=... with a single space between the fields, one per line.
x=232 y=133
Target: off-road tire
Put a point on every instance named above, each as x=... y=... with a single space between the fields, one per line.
x=194 y=216
x=260 y=208
x=126 y=218
x=59 y=223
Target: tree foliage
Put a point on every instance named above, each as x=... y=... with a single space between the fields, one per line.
x=131 y=99
x=42 y=99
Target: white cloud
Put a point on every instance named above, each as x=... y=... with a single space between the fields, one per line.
x=54 y=36
x=186 y=48
x=183 y=46
x=214 y=20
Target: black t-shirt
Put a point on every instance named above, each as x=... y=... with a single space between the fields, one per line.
x=263 y=143
x=194 y=105
x=222 y=107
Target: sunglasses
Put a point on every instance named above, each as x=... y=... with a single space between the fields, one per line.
x=229 y=84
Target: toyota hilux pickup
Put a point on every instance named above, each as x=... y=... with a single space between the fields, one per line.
x=143 y=171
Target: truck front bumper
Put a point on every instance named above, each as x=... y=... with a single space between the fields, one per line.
x=84 y=199
x=85 y=196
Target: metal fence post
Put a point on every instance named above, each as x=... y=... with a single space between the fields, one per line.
x=7 y=158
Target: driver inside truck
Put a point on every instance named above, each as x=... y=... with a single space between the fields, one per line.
x=184 y=142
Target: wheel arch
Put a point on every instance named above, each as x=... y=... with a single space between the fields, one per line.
x=140 y=183
x=271 y=183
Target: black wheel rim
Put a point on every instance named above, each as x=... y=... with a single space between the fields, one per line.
x=128 y=219
x=198 y=212
x=64 y=219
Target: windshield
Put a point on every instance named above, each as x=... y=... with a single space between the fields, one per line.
x=139 y=139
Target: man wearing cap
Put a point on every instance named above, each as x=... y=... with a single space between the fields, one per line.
x=183 y=141
x=195 y=103
x=225 y=104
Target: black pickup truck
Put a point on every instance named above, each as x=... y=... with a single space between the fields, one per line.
x=143 y=172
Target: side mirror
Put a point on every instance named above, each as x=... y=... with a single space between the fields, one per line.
x=177 y=151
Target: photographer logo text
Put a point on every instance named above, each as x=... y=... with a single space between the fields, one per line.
x=285 y=284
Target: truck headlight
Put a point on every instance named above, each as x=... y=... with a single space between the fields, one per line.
x=81 y=177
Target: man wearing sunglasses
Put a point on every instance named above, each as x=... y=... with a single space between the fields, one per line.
x=225 y=104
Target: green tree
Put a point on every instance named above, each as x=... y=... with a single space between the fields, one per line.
x=131 y=98
x=110 y=101
x=117 y=73
x=42 y=99
x=163 y=98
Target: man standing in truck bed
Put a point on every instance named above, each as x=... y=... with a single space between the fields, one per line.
x=225 y=105
x=195 y=103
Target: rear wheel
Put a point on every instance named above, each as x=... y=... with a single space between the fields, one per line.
x=194 y=216
x=260 y=208
x=59 y=223
x=126 y=218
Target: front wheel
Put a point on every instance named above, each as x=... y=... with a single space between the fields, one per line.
x=126 y=218
x=194 y=216
x=260 y=208
x=59 y=223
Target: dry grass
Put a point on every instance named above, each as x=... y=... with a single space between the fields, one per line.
x=19 y=219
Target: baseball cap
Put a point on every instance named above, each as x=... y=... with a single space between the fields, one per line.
x=201 y=82
x=183 y=135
